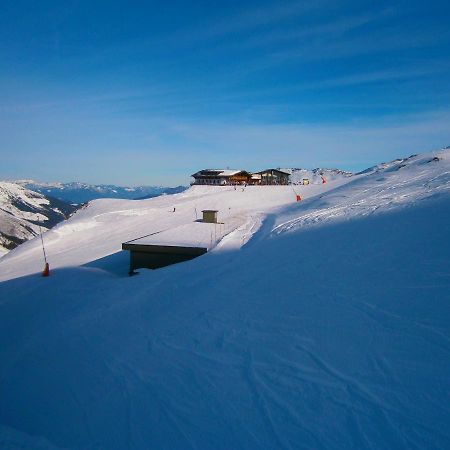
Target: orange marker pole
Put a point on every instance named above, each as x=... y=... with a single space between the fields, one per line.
x=46 y=271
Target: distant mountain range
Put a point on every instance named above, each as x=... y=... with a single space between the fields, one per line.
x=77 y=193
x=23 y=211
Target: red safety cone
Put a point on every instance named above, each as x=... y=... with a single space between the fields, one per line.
x=46 y=271
x=298 y=197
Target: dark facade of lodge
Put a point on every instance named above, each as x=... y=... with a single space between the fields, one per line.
x=274 y=177
x=219 y=177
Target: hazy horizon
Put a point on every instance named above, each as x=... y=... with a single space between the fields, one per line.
x=189 y=179
x=113 y=93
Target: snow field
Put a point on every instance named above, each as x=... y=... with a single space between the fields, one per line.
x=322 y=324
x=99 y=229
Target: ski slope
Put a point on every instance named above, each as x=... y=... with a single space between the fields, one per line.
x=404 y=182
x=315 y=324
x=99 y=229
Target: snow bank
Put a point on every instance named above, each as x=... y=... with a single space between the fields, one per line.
x=333 y=335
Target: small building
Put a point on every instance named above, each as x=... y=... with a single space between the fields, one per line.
x=210 y=215
x=150 y=256
x=221 y=177
x=274 y=177
x=171 y=246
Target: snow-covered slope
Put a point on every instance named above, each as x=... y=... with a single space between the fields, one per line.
x=318 y=324
x=403 y=182
x=98 y=230
x=22 y=211
x=77 y=192
x=316 y=176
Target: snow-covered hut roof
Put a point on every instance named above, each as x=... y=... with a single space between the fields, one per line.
x=217 y=173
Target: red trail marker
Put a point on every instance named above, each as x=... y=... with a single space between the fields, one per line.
x=46 y=271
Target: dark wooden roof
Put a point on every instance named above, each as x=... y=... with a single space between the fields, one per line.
x=274 y=170
x=218 y=173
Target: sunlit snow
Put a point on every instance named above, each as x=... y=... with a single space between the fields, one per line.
x=316 y=324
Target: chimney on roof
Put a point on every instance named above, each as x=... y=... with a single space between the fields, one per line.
x=210 y=215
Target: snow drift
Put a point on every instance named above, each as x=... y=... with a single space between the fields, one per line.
x=329 y=327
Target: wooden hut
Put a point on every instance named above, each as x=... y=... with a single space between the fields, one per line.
x=274 y=177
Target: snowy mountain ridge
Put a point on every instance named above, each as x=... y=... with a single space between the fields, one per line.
x=79 y=192
x=23 y=211
x=315 y=176
x=402 y=182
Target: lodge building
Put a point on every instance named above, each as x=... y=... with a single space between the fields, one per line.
x=227 y=177
x=274 y=177
x=221 y=177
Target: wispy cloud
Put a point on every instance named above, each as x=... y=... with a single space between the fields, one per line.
x=386 y=40
x=246 y=20
x=359 y=144
x=370 y=77
x=134 y=151
x=330 y=29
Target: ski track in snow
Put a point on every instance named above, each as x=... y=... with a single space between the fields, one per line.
x=356 y=202
x=315 y=324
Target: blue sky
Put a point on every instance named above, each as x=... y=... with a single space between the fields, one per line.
x=149 y=92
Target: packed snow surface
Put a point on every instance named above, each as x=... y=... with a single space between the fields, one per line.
x=98 y=230
x=315 y=324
